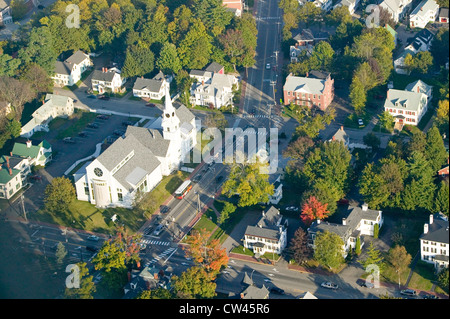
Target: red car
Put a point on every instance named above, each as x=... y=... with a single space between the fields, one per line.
x=343 y=201
x=35 y=177
x=150 y=104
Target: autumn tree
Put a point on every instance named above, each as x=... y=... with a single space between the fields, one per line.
x=312 y=209
x=206 y=253
x=17 y=93
x=110 y=260
x=299 y=247
x=399 y=258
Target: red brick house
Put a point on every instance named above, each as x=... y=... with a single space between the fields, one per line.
x=317 y=88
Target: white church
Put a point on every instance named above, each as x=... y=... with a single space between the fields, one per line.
x=138 y=161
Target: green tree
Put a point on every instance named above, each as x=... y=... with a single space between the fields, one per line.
x=249 y=183
x=371 y=140
x=442 y=198
x=376 y=231
x=308 y=13
x=110 y=259
x=374 y=257
x=358 y=95
x=159 y=293
x=399 y=258
x=8 y=65
x=194 y=283
x=139 y=61
x=440 y=46
x=372 y=187
x=435 y=150
x=329 y=249
x=87 y=286
x=59 y=194
x=443 y=279
x=387 y=120
x=19 y=9
x=338 y=16
x=358 y=246
x=196 y=47
x=227 y=210
x=61 y=253
x=168 y=61
x=214 y=15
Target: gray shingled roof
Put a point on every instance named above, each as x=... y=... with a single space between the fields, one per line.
x=214 y=67
x=99 y=75
x=253 y=292
x=303 y=84
x=184 y=114
x=266 y=226
x=414 y=101
x=63 y=68
x=437 y=231
x=150 y=84
x=152 y=139
x=77 y=57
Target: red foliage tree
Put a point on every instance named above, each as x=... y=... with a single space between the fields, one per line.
x=312 y=209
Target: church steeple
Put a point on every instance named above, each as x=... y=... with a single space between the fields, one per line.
x=170 y=122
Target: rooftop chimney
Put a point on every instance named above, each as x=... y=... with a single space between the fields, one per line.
x=342 y=127
x=10 y=171
x=318 y=221
x=28 y=144
x=418 y=89
x=425 y=229
x=344 y=221
x=431 y=219
x=364 y=207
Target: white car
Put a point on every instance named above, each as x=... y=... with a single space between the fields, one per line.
x=329 y=285
x=360 y=122
x=268 y=66
x=93 y=238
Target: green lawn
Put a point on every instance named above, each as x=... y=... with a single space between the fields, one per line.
x=80 y=119
x=423 y=276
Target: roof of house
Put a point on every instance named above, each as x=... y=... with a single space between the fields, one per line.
x=437 y=231
x=253 y=292
x=57 y=100
x=4 y=4
x=63 y=68
x=423 y=37
x=6 y=175
x=21 y=149
x=77 y=57
x=304 y=84
x=340 y=136
x=407 y=100
x=418 y=86
x=108 y=76
x=443 y=13
x=423 y=7
x=214 y=67
x=151 y=85
x=267 y=225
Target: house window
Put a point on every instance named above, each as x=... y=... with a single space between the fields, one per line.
x=86 y=190
x=120 y=197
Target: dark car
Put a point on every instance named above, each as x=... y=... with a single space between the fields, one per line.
x=92 y=96
x=41 y=7
x=197 y=178
x=219 y=179
x=104 y=97
x=365 y=284
x=277 y=291
x=252 y=112
x=102 y=117
x=92 y=249
x=164 y=209
x=82 y=134
x=127 y=123
x=429 y=296
x=93 y=125
x=150 y=104
x=118 y=132
x=35 y=177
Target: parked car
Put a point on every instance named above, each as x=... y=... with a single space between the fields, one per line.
x=69 y=140
x=82 y=134
x=429 y=296
x=118 y=132
x=360 y=122
x=93 y=125
x=343 y=201
x=292 y=209
x=103 y=97
x=102 y=117
x=197 y=178
x=150 y=104
x=93 y=238
x=219 y=179
x=164 y=209
x=253 y=111
x=364 y=283
x=92 y=96
x=35 y=177
x=409 y=292
x=277 y=290
x=268 y=66
x=127 y=123
x=329 y=285
x=92 y=249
